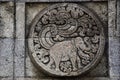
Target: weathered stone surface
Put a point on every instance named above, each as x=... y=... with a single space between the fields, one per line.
x=19 y=69
x=57 y=0
x=31 y=70
x=6 y=79
x=114 y=56
x=101 y=9
x=6 y=0
x=97 y=70
x=115 y=78
x=6 y=57
x=84 y=78
x=20 y=20
x=118 y=18
x=31 y=79
x=31 y=11
x=112 y=17
x=19 y=58
x=6 y=19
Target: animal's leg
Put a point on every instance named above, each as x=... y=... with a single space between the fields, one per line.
x=73 y=61
x=79 y=62
x=57 y=62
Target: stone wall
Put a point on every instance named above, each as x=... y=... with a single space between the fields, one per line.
x=15 y=19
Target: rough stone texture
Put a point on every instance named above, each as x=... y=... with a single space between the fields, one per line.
x=115 y=78
x=97 y=72
x=114 y=58
x=20 y=20
x=6 y=40
x=31 y=71
x=20 y=40
x=6 y=19
x=100 y=9
x=8 y=43
x=31 y=11
x=118 y=18
x=57 y=0
x=6 y=0
x=31 y=79
x=114 y=41
x=111 y=17
x=19 y=58
x=6 y=57
x=6 y=79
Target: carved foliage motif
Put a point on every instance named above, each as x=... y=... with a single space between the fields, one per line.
x=66 y=39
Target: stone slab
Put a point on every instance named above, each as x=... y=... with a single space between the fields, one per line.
x=112 y=17
x=6 y=19
x=20 y=40
x=57 y=0
x=32 y=71
x=20 y=20
x=115 y=78
x=6 y=0
x=6 y=57
x=84 y=78
x=19 y=58
x=6 y=79
x=114 y=56
x=31 y=79
x=31 y=12
x=118 y=18
x=97 y=72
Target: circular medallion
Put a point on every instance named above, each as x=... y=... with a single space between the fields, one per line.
x=66 y=39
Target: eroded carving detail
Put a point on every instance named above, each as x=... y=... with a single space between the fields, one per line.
x=66 y=40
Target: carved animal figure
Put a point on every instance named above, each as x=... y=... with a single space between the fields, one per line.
x=66 y=50
x=63 y=51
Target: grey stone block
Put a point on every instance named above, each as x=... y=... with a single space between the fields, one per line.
x=118 y=18
x=31 y=79
x=111 y=32
x=20 y=40
x=20 y=20
x=6 y=57
x=57 y=0
x=6 y=0
x=101 y=9
x=31 y=12
x=111 y=13
x=6 y=79
x=32 y=71
x=101 y=70
x=19 y=58
x=6 y=19
x=115 y=78
x=114 y=56
x=91 y=78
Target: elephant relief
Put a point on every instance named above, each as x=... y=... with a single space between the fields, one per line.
x=66 y=39
x=69 y=50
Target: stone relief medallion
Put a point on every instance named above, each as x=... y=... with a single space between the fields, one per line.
x=66 y=39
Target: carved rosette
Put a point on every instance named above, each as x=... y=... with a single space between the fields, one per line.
x=66 y=39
